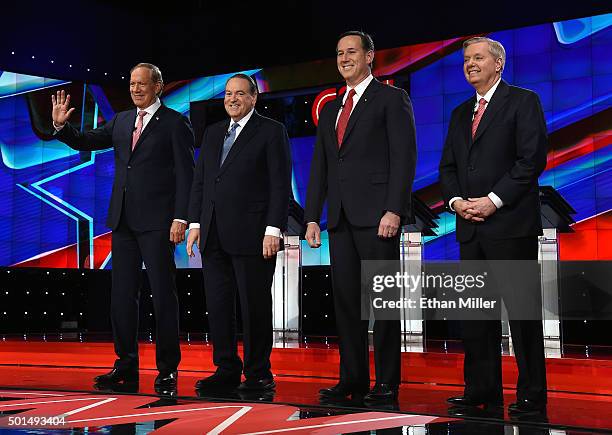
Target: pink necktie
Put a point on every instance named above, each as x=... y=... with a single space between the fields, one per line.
x=478 y=116
x=344 y=117
x=138 y=131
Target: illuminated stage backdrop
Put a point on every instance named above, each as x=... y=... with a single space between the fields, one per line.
x=53 y=200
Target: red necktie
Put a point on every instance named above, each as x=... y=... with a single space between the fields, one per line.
x=344 y=117
x=478 y=115
x=138 y=131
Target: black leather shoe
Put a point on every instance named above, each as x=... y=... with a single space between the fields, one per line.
x=526 y=406
x=166 y=379
x=342 y=390
x=116 y=376
x=382 y=393
x=218 y=381
x=470 y=402
x=257 y=385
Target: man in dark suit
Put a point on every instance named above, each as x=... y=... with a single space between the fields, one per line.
x=494 y=152
x=364 y=164
x=240 y=199
x=153 y=148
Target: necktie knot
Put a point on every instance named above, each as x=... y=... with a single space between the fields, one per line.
x=482 y=102
x=234 y=126
x=350 y=95
x=142 y=113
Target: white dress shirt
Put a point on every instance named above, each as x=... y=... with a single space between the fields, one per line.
x=487 y=97
x=270 y=230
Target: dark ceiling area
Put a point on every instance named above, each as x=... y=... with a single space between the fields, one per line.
x=192 y=38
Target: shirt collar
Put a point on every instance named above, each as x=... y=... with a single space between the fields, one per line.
x=361 y=87
x=152 y=108
x=244 y=119
x=489 y=93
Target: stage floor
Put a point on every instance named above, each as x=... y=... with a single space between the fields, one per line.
x=46 y=376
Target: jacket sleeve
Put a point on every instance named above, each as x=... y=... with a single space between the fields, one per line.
x=401 y=134
x=317 y=183
x=278 y=157
x=182 y=148
x=100 y=138
x=531 y=150
x=449 y=182
x=197 y=186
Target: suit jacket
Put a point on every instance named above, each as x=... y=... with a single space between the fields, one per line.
x=374 y=169
x=506 y=157
x=249 y=191
x=153 y=181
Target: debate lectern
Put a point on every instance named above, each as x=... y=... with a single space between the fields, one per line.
x=556 y=215
x=286 y=282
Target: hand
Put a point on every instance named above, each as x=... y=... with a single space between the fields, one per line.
x=271 y=245
x=389 y=224
x=481 y=207
x=461 y=207
x=193 y=237
x=177 y=232
x=313 y=235
x=61 y=111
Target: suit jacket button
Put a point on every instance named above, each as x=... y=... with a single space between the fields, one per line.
x=129 y=167
x=217 y=179
x=340 y=160
x=471 y=168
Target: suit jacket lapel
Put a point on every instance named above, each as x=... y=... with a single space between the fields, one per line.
x=336 y=105
x=466 y=120
x=363 y=102
x=498 y=101
x=243 y=138
x=153 y=122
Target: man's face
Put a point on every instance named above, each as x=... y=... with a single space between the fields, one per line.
x=353 y=61
x=238 y=98
x=142 y=89
x=480 y=68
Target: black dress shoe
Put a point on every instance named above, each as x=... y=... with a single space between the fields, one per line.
x=116 y=376
x=471 y=402
x=218 y=381
x=257 y=384
x=166 y=379
x=342 y=390
x=382 y=393
x=526 y=406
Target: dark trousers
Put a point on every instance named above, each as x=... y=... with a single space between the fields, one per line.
x=348 y=246
x=482 y=338
x=249 y=276
x=129 y=249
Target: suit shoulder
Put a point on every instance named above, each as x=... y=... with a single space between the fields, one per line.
x=269 y=122
x=517 y=91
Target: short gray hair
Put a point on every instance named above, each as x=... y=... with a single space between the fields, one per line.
x=156 y=75
x=495 y=48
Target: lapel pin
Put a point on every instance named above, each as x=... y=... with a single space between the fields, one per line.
x=365 y=100
x=157 y=118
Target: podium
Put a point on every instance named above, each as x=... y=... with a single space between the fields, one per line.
x=556 y=214
x=411 y=256
x=286 y=281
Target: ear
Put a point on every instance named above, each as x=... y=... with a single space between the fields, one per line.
x=370 y=57
x=158 y=88
x=498 y=64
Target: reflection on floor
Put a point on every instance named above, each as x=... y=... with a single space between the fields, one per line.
x=54 y=377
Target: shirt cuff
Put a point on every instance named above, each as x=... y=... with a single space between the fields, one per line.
x=194 y=226
x=181 y=221
x=273 y=231
x=496 y=200
x=58 y=127
x=452 y=200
